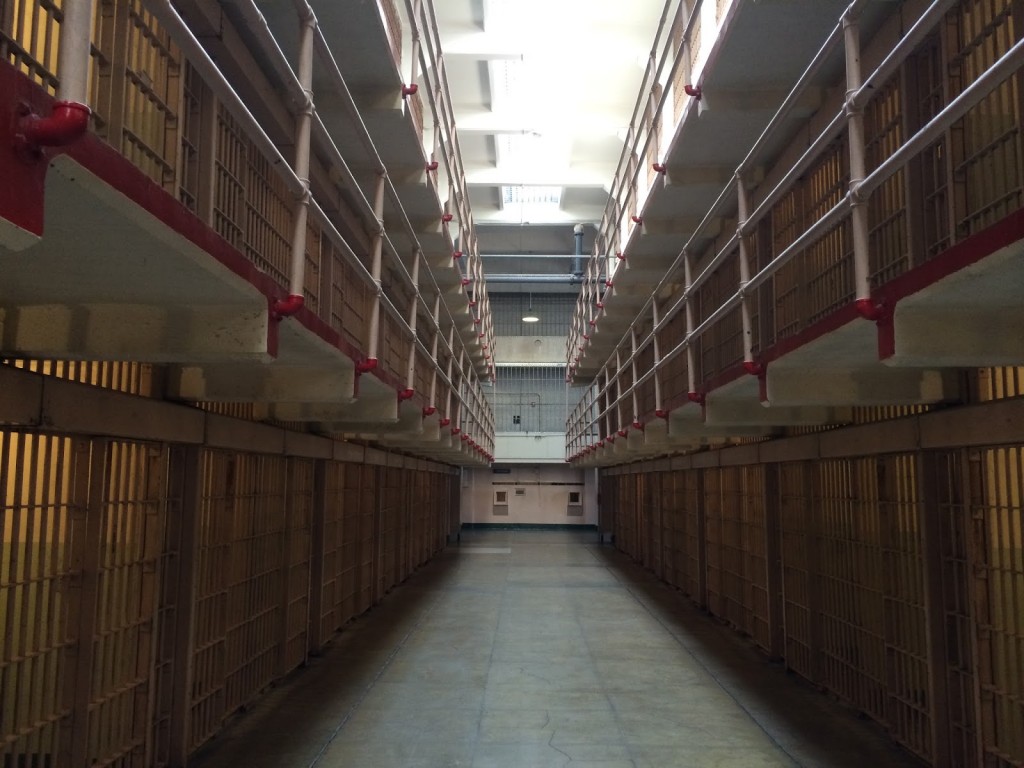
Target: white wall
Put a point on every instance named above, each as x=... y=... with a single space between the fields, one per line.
x=530 y=447
x=543 y=497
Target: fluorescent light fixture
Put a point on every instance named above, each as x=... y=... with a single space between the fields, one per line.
x=531 y=316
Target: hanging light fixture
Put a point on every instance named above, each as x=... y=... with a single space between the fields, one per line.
x=531 y=316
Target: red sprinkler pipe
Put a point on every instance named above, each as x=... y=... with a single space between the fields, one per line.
x=67 y=123
x=287 y=307
x=868 y=309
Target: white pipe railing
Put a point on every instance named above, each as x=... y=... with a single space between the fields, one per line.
x=858 y=90
x=308 y=126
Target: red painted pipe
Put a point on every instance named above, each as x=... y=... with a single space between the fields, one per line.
x=868 y=309
x=658 y=167
x=444 y=422
x=637 y=219
x=68 y=122
x=456 y=254
x=693 y=90
x=367 y=365
x=446 y=217
x=661 y=413
x=753 y=368
x=405 y=394
x=409 y=90
x=639 y=425
x=430 y=410
x=287 y=307
x=695 y=397
x=432 y=165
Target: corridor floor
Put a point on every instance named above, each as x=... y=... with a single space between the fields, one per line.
x=529 y=649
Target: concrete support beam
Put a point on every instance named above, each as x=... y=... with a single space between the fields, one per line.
x=263 y=384
x=155 y=334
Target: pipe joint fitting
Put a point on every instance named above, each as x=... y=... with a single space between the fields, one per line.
x=68 y=122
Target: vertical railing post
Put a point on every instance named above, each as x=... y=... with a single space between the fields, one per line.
x=633 y=377
x=410 y=378
x=373 y=340
x=618 y=390
x=432 y=401
x=743 y=211
x=855 y=129
x=659 y=408
x=303 y=131
x=691 y=368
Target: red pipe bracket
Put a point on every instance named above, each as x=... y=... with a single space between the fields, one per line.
x=67 y=123
x=869 y=310
x=286 y=307
x=753 y=368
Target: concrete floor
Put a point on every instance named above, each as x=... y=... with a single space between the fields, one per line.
x=533 y=649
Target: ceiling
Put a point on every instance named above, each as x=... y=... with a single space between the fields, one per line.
x=543 y=92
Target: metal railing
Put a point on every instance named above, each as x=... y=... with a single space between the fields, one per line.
x=600 y=413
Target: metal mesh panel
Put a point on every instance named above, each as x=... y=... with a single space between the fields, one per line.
x=906 y=658
x=799 y=569
x=888 y=247
x=986 y=144
x=127 y=377
x=29 y=38
x=128 y=581
x=852 y=645
x=42 y=534
x=296 y=563
x=532 y=399
x=997 y=481
x=554 y=311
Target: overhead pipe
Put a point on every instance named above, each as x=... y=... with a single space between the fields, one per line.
x=577 y=262
x=69 y=118
x=509 y=277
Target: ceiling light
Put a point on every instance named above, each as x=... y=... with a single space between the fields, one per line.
x=531 y=316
